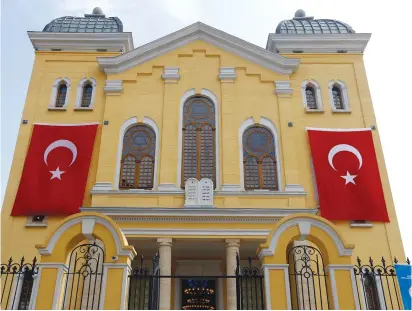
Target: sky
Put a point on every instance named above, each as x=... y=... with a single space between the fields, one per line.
x=388 y=59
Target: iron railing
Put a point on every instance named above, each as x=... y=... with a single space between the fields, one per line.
x=17 y=283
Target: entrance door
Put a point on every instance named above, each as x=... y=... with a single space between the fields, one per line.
x=198 y=294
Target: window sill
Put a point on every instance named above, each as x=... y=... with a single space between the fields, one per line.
x=360 y=224
x=83 y=109
x=57 y=108
x=341 y=111
x=31 y=223
x=307 y=110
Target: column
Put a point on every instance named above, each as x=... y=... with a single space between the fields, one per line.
x=165 y=264
x=232 y=248
x=342 y=283
x=230 y=158
x=288 y=132
x=169 y=128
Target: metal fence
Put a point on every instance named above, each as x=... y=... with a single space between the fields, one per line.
x=377 y=285
x=197 y=292
x=17 y=283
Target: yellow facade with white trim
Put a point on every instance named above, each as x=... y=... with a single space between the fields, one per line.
x=146 y=95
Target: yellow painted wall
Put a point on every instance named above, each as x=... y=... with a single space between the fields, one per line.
x=146 y=95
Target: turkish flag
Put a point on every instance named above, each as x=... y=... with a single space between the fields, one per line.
x=55 y=171
x=347 y=175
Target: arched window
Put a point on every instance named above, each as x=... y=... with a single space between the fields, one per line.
x=311 y=94
x=87 y=95
x=198 y=140
x=337 y=98
x=259 y=159
x=338 y=94
x=61 y=95
x=310 y=98
x=138 y=158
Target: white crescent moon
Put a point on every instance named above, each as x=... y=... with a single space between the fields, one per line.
x=344 y=147
x=61 y=143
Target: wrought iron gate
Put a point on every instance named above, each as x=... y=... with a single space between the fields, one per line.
x=307 y=278
x=17 y=283
x=144 y=286
x=249 y=287
x=83 y=280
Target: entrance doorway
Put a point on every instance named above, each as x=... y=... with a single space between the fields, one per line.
x=198 y=294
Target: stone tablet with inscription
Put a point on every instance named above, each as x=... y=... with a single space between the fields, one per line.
x=191 y=191
x=206 y=192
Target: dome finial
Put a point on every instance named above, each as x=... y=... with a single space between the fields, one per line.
x=97 y=11
x=300 y=13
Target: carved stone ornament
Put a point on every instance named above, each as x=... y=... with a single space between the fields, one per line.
x=199 y=193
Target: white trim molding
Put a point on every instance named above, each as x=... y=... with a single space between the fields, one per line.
x=318 y=95
x=283 y=88
x=104 y=187
x=211 y=96
x=171 y=74
x=268 y=294
x=80 y=90
x=113 y=86
x=318 y=43
x=53 y=96
x=267 y=123
x=57 y=234
x=344 y=95
x=88 y=42
x=305 y=223
x=227 y=74
x=168 y=232
x=194 y=32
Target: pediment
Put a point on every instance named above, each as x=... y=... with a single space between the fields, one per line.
x=199 y=31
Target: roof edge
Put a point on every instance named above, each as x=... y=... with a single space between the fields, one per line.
x=199 y=31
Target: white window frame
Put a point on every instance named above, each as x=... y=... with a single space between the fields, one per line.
x=80 y=89
x=318 y=95
x=344 y=94
x=126 y=125
x=268 y=124
x=213 y=98
x=55 y=88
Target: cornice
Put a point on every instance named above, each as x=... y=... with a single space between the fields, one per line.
x=199 y=31
x=110 y=42
x=322 y=43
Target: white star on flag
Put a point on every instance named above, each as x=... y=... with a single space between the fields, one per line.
x=57 y=173
x=349 y=178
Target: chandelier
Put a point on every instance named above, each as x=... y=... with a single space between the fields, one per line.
x=199 y=295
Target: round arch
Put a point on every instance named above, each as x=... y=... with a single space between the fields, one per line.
x=306 y=227
x=85 y=226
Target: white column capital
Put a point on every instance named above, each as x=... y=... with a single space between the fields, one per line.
x=232 y=243
x=164 y=242
x=283 y=88
x=113 y=86
x=227 y=74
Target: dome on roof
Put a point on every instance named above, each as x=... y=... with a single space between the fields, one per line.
x=95 y=22
x=302 y=24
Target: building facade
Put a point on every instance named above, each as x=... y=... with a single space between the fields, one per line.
x=201 y=161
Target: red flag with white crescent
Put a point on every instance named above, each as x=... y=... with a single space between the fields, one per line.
x=347 y=175
x=55 y=170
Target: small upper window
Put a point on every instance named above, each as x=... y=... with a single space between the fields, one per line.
x=337 y=98
x=310 y=98
x=338 y=95
x=87 y=95
x=311 y=95
x=61 y=95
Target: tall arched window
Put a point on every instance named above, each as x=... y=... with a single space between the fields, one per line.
x=259 y=159
x=138 y=158
x=61 y=95
x=198 y=140
x=87 y=95
x=337 y=98
x=311 y=95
